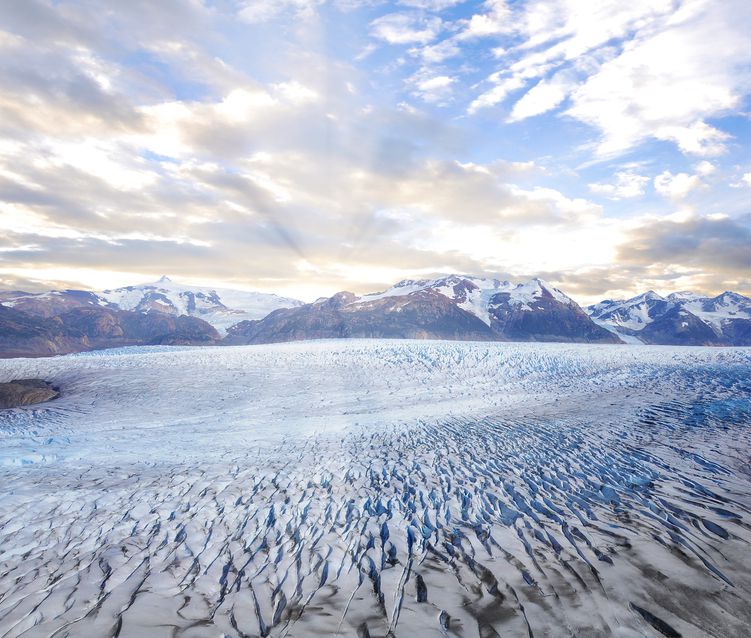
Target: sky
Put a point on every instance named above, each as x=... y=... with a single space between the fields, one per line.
x=310 y=146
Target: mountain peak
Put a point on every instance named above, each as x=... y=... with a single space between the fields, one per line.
x=164 y=280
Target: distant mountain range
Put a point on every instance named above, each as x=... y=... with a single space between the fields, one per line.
x=221 y=308
x=452 y=307
x=682 y=318
x=92 y=327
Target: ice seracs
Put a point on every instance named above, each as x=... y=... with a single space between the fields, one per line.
x=379 y=488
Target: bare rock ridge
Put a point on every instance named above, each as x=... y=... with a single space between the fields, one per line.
x=20 y=392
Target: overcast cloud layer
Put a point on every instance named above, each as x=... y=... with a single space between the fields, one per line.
x=305 y=147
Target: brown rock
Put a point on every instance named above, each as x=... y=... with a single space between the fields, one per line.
x=26 y=392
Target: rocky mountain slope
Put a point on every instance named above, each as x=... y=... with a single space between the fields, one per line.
x=681 y=318
x=92 y=327
x=219 y=307
x=453 y=307
x=24 y=335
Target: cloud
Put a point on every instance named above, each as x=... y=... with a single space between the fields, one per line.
x=627 y=185
x=403 y=28
x=676 y=186
x=667 y=80
x=432 y=88
x=171 y=137
x=544 y=96
x=636 y=71
x=437 y=53
x=258 y=11
x=705 y=168
x=496 y=95
x=432 y=5
x=496 y=20
x=706 y=244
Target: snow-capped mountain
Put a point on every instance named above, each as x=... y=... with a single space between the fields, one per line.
x=681 y=318
x=221 y=308
x=452 y=307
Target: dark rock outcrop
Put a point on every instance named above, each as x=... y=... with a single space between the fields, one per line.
x=107 y=328
x=49 y=304
x=21 y=392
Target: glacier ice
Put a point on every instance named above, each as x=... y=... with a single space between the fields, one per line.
x=370 y=488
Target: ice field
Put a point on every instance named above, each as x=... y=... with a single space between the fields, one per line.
x=380 y=488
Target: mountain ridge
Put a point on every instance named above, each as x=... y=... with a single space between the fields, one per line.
x=682 y=318
x=220 y=307
x=449 y=307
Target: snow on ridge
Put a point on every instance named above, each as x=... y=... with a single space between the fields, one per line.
x=474 y=294
x=221 y=307
x=636 y=313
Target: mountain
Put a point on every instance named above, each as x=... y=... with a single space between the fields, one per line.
x=681 y=318
x=453 y=307
x=91 y=327
x=23 y=335
x=219 y=307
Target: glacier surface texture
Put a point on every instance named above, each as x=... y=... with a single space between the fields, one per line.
x=379 y=488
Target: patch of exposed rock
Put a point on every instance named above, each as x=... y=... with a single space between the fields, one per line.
x=26 y=392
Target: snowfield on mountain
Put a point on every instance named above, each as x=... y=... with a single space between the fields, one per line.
x=680 y=318
x=379 y=488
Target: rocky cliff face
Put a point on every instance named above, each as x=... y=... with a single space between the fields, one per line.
x=454 y=307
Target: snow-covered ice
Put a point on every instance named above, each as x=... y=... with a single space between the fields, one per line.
x=379 y=488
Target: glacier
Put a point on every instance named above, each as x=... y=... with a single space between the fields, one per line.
x=379 y=488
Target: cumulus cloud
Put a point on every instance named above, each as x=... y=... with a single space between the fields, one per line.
x=627 y=185
x=705 y=168
x=432 y=88
x=676 y=186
